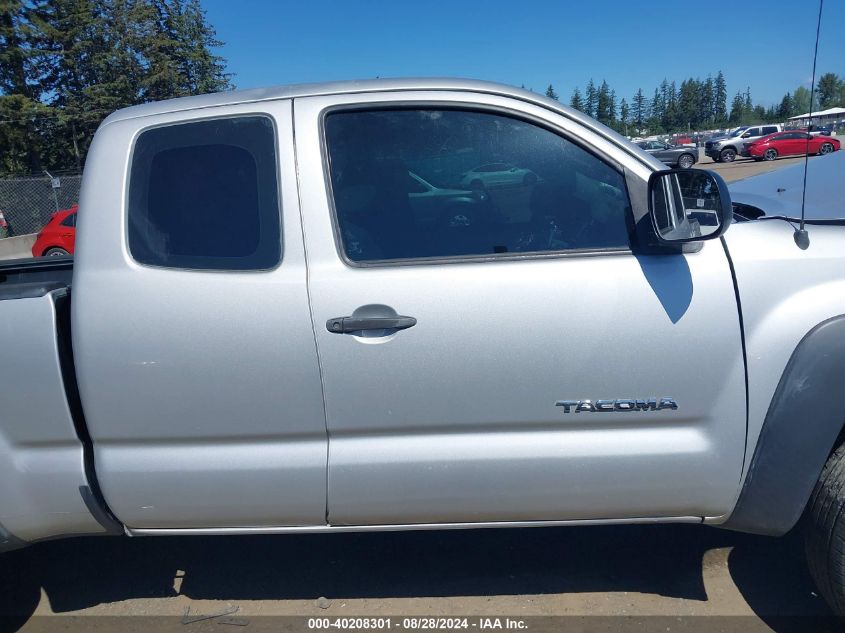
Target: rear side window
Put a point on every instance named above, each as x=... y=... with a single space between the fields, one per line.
x=204 y=195
x=495 y=185
x=769 y=130
x=70 y=220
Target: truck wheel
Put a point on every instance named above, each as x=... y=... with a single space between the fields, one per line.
x=55 y=252
x=685 y=161
x=825 y=532
x=727 y=155
x=770 y=154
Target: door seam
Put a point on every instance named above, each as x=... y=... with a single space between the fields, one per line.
x=311 y=304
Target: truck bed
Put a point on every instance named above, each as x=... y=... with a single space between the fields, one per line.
x=29 y=278
x=47 y=484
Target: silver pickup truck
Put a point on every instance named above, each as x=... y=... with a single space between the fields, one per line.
x=414 y=304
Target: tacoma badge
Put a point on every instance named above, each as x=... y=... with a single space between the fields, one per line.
x=623 y=404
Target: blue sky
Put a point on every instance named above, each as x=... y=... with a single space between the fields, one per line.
x=630 y=44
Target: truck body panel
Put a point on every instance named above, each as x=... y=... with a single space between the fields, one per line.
x=44 y=490
x=220 y=401
x=201 y=388
x=455 y=420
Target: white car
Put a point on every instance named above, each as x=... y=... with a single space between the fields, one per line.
x=494 y=175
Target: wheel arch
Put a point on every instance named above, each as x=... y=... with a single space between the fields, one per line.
x=804 y=424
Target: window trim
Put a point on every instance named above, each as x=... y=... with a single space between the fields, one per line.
x=466 y=259
x=136 y=134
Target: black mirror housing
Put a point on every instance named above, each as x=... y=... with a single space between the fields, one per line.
x=688 y=205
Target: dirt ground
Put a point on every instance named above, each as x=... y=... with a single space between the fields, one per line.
x=745 y=167
x=633 y=573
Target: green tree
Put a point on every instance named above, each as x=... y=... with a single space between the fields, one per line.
x=590 y=99
x=202 y=70
x=658 y=110
x=707 y=101
x=801 y=100
x=576 y=101
x=550 y=93
x=20 y=109
x=828 y=90
x=640 y=113
x=786 y=108
x=624 y=115
x=737 y=113
x=720 y=99
x=604 y=113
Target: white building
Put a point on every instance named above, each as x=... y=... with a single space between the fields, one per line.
x=824 y=117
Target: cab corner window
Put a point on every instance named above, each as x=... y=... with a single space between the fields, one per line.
x=204 y=195
x=438 y=183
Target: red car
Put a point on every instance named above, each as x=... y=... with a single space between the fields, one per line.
x=791 y=143
x=58 y=236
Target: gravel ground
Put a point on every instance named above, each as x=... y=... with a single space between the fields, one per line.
x=632 y=571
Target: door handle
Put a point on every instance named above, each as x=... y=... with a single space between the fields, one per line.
x=348 y=324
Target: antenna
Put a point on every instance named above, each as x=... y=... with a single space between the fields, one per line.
x=802 y=239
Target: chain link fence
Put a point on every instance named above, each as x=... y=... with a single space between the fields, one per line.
x=28 y=202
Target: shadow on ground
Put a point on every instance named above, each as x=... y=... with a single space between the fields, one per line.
x=665 y=560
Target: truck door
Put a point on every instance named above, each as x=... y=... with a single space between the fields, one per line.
x=515 y=361
x=194 y=347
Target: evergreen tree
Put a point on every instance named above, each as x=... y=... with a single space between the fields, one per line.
x=737 y=109
x=658 y=109
x=786 y=108
x=624 y=115
x=590 y=99
x=688 y=103
x=200 y=68
x=707 y=102
x=20 y=109
x=720 y=98
x=747 y=104
x=640 y=113
x=550 y=93
x=603 y=105
x=576 y=101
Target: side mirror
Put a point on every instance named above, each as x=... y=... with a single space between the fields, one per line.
x=688 y=205
x=746 y=135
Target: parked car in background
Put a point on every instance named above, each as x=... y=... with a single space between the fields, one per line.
x=789 y=144
x=4 y=226
x=430 y=202
x=727 y=149
x=819 y=130
x=58 y=237
x=497 y=175
x=679 y=156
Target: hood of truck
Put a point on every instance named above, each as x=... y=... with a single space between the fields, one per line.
x=779 y=192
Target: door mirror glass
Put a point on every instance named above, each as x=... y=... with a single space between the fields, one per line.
x=688 y=205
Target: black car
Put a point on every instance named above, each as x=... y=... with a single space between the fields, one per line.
x=679 y=156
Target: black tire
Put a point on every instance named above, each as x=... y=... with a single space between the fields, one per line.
x=686 y=161
x=56 y=252
x=826 y=148
x=727 y=155
x=770 y=154
x=824 y=532
x=716 y=159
